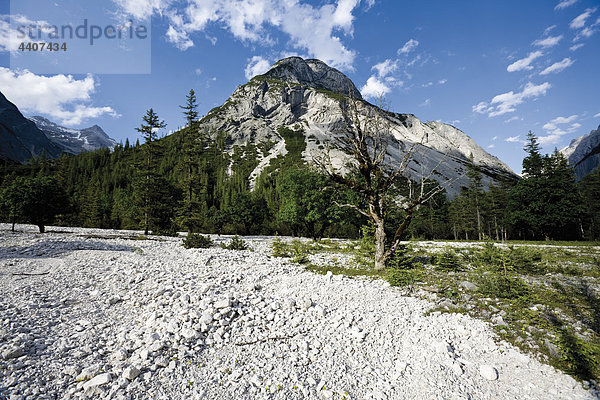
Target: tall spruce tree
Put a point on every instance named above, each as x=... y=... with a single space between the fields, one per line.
x=546 y=203
x=475 y=193
x=188 y=214
x=147 y=168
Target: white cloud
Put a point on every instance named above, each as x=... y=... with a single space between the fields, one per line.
x=548 y=42
x=10 y=37
x=143 y=9
x=385 y=68
x=198 y=71
x=579 y=21
x=512 y=119
x=180 y=39
x=513 y=139
x=507 y=102
x=597 y=115
x=256 y=66
x=564 y=4
x=428 y=84
x=558 y=67
x=60 y=97
x=374 y=88
x=408 y=46
x=491 y=146
x=559 y=121
x=481 y=108
x=495 y=138
x=313 y=29
x=443 y=81
x=555 y=129
x=576 y=46
x=549 y=29
x=524 y=63
x=426 y=103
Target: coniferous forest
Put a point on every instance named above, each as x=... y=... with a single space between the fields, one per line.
x=190 y=181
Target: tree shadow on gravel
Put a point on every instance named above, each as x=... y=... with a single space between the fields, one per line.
x=55 y=248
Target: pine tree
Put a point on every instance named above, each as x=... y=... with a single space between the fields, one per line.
x=533 y=163
x=189 y=213
x=475 y=192
x=147 y=168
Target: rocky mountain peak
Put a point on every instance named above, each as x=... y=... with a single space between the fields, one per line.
x=314 y=73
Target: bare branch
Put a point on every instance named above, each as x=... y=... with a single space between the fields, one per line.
x=353 y=207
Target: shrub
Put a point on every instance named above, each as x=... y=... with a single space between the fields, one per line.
x=525 y=259
x=197 y=241
x=236 y=243
x=448 y=260
x=279 y=248
x=402 y=269
x=504 y=287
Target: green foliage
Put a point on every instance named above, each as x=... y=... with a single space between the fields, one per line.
x=236 y=243
x=448 y=260
x=403 y=269
x=197 y=241
x=580 y=358
x=306 y=202
x=504 y=287
x=279 y=248
x=36 y=200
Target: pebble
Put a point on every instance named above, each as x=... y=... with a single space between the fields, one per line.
x=488 y=372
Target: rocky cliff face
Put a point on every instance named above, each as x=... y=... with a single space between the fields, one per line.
x=20 y=139
x=583 y=153
x=307 y=94
x=74 y=141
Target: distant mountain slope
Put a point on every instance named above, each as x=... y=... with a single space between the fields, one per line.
x=307 y=95
x=20 y=139
x=583 y=153
x=74 y=141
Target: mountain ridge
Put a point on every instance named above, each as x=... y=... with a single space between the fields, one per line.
x=291 y=94
x=20 y=138
x=583 y=153
x=74 y=141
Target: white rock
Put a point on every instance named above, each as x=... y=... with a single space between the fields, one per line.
x=488 y=372
x=189 y=333
x=131 y=373
x=223 y=303
x=98 y=380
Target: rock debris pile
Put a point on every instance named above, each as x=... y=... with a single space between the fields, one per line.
x=86 y=315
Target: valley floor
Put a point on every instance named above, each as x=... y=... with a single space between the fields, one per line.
x=107 y=314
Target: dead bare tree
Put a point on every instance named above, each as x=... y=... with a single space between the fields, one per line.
x=365 y=139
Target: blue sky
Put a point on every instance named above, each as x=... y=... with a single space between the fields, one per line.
x=494 y=69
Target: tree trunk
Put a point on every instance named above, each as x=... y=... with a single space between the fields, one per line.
x=380 y=254
x=12 y=229
x=42 y=228
x=478 y=222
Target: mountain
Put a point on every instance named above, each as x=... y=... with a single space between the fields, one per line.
x=20 y=139
x=74 y=141
x=583 y=153
x=307 y=95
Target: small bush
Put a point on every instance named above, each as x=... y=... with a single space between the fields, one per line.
x=404 y=277
x=504 y=287
x=279 y=248
x=489 y=256
x=197 y=241
x=448 y=260
x=526 y=260
x=402 y=269
x=236 y=243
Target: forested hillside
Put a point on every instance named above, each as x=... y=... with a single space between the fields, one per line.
x=189 y=181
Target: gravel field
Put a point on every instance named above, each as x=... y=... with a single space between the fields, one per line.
x=89 y=313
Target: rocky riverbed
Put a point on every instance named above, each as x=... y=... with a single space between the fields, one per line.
x=102 y=314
